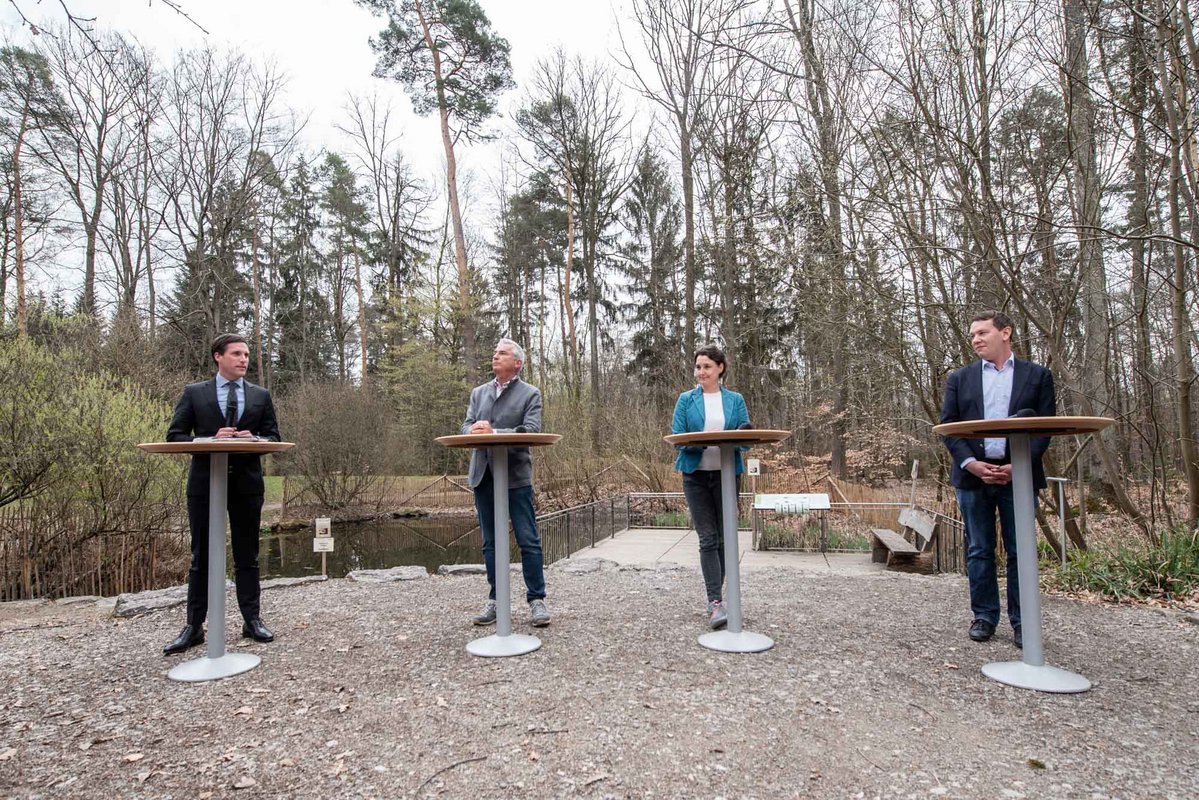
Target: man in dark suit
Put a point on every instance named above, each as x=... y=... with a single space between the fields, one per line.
x=226 y=406
x=506 y=405
x=997 y=385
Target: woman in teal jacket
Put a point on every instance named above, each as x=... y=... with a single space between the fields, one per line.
x=708 y=407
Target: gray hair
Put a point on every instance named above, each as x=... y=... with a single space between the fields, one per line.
x=518 y=352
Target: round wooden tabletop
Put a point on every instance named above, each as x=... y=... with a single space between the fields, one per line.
x=746 y=437
x=1037 y=426
x=228 y=445
x=499 y=439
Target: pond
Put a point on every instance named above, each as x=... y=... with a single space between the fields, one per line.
x=428 y=541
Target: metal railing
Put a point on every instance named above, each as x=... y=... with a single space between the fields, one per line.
x=571 y=529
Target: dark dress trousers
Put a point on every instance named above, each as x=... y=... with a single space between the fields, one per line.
x=198 y=414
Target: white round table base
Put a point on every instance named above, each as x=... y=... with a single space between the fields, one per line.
x=210 y=669
x=742 y=642
x=1043 y=679
x=514 y=644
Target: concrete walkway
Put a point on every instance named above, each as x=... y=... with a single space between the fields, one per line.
x=678 y=546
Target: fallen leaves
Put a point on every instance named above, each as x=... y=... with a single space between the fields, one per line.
x=133 y=757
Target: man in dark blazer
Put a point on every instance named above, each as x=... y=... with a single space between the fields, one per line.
x=997 y=385
x=226 y=406
x=506 y=405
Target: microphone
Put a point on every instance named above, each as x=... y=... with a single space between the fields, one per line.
x=745 y=426
x=1025 y=412
x=520 y=429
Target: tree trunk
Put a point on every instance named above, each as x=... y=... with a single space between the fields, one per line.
x=1175 y=102
x=573 y=372
x=465 y=306
x=361 y=312
x=19 y=229
x=257 y=285
x=686 y=165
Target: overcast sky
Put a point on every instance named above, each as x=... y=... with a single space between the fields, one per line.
x=322 y=46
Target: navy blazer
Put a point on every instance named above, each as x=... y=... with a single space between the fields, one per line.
x=1032 y=387
x=689 y=417
x=199 y=414
x=520 y=404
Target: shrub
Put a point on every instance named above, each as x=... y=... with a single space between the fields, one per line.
x=1166 y=571
x=343 y=437
x=67 y=436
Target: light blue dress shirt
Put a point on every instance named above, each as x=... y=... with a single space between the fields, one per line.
x=997 y=399
x=222 y=394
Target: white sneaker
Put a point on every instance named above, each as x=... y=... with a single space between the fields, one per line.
x=486 y=616
x=717 y=615
x=539 y=614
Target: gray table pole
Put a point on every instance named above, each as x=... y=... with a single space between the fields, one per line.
x=732 y=562
x=1026 y=549
x=502 y=558
x=218 y=493
x=503 y=642
x=1032 y=672
x=733 y=639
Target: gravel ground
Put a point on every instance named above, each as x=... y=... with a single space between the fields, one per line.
x=872 y=690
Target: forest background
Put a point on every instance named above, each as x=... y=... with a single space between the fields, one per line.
x=830 y=190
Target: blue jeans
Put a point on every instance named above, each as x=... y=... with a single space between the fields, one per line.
x=706 y=504
x=524 y=523
x=978 y=515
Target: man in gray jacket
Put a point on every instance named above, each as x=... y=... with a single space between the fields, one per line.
x=508 y=405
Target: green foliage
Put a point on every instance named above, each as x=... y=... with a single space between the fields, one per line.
x=671 y=519
x=1166 y=571
x=67 y=432
x=429 y=395
x=474 y=61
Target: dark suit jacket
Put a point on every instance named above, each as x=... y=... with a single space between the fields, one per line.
x=520 y=404
x=1032 y=387
x=199 y=414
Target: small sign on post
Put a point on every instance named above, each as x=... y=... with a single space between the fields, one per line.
x=753 y=466
x=323 y=543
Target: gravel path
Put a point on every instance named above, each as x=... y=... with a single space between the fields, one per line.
x=872 y=690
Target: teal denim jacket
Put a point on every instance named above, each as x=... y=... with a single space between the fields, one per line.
x=689 y=418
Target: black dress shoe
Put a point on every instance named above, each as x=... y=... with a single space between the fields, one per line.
x=190 y=636
x=257 y=631
x=1018 y=635
x=981 y=630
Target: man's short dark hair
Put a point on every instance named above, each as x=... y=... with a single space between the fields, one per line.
x=999 y=319
x=224 y=340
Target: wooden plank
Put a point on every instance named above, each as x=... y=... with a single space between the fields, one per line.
x=893 y=541
x=921 y=523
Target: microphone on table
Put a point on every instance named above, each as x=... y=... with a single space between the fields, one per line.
x=745 y=426
x=1026 y=412
x=520 y=429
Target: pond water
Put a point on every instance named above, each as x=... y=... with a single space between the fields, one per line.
x=428 y=541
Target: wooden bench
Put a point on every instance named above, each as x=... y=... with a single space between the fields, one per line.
x=911 y=550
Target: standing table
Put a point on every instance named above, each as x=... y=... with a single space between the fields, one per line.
x=1032 y=672
x=732 y=639
x=503 y=642
x=217 y=663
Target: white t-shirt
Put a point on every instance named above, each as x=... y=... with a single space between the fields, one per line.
x=713 y=421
